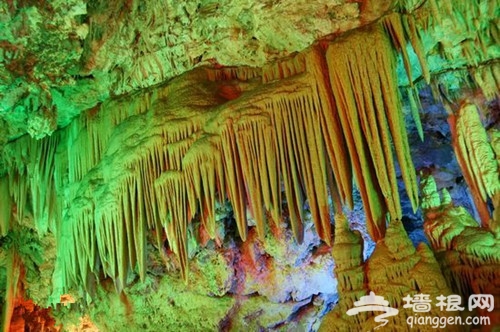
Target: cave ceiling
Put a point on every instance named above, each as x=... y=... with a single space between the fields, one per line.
x=61 y=57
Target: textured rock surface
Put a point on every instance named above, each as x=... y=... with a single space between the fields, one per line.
x=394 y=270
x=59 y=58
x=469 y=254
x=239 y=286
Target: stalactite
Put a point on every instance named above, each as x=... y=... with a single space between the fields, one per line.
x=473 y=48
x=43 y=193
x=335 y=143
x=368 y=119
x=302 y=160
x=434 y=8
x=251 y=138
x=475 y=156
x=235 y=187
x=5 y=206
x=415 y=107
x=416 y=42
x=149 y=167
x=284 y=68
x=231 y=73
x=395 y=28
x=202 y=171
x=401 y=28
x=79 y=257
x=18 y=184
x=32 y=185
x=171 y=186
x=88 y=136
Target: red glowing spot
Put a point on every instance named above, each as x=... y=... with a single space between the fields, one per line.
x=229 y=92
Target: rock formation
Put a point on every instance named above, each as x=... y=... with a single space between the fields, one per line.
x=164 y=160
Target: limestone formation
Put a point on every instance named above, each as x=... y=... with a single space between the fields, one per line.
x=163 y=160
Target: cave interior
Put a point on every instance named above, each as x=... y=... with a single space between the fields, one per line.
x=249 y=165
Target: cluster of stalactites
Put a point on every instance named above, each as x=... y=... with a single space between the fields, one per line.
x=463 y=37
x=367 y=101
x=470 y=27
x=155 y=161
x=477 y=53
x=30 y=183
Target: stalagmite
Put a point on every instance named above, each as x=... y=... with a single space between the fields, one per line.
x=467 y=253
x=406 y=271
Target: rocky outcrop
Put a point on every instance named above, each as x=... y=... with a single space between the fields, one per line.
x=271 y=284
